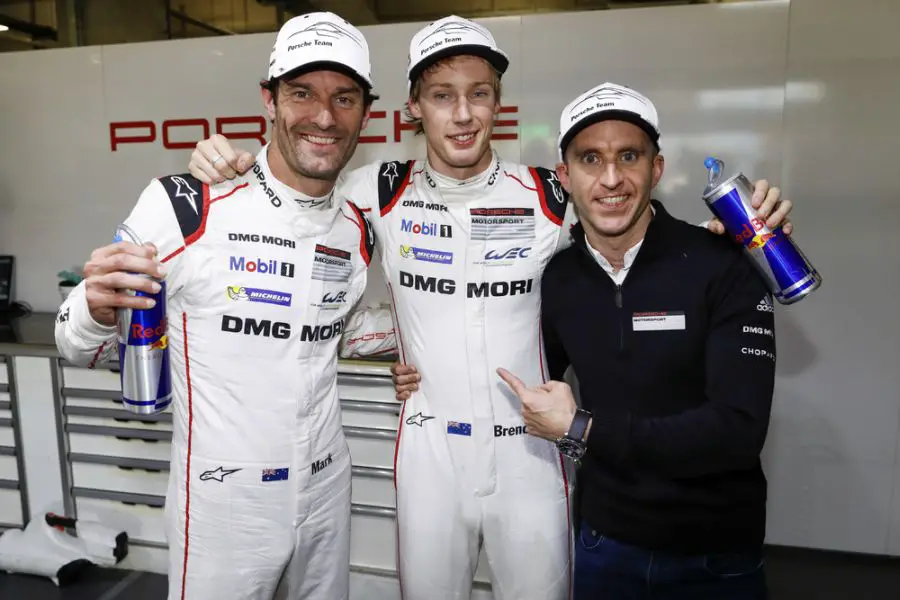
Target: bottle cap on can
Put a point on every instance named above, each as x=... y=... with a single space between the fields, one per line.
x=714 y=169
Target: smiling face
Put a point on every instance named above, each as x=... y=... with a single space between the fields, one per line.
x=610 y=169
x=457 y=102
x=317 y=118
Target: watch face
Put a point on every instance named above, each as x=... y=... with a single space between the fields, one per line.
x=570 y=448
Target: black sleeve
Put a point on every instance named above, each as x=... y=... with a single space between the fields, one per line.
x=728 y=430
x=189 y=197
x=393 y=177
x=555 y=355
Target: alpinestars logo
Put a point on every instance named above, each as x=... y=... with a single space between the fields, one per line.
x=184 y=190
x=417 y=419
x=390 y=173
x=218 y=475
x=557 y=190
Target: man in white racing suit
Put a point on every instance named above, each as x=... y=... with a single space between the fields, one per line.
x=261 y=274
x=463 y=238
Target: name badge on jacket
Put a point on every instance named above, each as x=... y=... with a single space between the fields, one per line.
x=658 y=321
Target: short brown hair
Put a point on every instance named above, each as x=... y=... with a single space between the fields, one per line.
x=416 y=88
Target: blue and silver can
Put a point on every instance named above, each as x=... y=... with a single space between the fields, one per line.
x=146 y=376
x=788 y=273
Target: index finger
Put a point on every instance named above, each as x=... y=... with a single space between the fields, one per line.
x=512 y=381
x=146 y=251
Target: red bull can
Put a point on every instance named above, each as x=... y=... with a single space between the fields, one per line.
x=789 y=274
x=146 y=376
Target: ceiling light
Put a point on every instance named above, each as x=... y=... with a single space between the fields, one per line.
x=4 y=28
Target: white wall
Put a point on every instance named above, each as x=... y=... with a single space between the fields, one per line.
x=778 y=89
x=833 y=451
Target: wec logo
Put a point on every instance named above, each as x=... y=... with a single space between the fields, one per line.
x=511 y=254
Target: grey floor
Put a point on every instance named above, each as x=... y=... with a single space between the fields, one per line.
x=794 y=574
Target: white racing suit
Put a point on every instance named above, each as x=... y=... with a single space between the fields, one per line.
x=463 y=266
x=259 y=288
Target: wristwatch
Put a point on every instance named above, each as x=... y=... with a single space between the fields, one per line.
x=573 y=444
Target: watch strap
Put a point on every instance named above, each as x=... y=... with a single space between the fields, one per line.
x=579 y=425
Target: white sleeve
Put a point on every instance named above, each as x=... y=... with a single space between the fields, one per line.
x=360 y=186
x=79 y=338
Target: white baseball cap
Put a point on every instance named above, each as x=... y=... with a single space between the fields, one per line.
x=321 y=39
x=608 y=101
x=452 y=36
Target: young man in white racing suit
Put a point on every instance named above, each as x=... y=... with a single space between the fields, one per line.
x=261 y=274
x=463 y=238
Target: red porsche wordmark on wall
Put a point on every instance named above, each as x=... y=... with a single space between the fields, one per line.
x=179 y=134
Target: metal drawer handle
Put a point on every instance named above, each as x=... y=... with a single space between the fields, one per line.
x=368 y=510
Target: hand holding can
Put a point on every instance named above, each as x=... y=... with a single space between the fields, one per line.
x=787 y=272
x=144 y=347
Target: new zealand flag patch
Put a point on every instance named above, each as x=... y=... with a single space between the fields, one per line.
x=458 y=428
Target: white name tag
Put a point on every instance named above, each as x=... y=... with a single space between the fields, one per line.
x=657 y=321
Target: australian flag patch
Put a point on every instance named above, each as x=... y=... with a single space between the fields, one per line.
x=275 y=474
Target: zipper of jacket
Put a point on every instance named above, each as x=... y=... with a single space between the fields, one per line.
x=621 y=317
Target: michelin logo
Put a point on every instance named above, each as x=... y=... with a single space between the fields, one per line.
x=435 y=256
x=241 y=293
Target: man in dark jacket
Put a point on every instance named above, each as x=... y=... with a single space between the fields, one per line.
x=670 y=332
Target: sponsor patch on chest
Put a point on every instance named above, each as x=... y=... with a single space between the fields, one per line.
x=658 y=321
x=502 y=223
x=331 y=264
